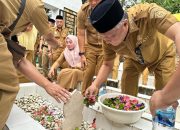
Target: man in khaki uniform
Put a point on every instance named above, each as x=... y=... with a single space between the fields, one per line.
x=33 y=13
x=90 y=43
x=140 y=34
x=60 y=33
x=169 y=94
x=36 y=51
x=44 y=49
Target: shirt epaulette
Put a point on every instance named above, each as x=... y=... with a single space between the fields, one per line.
x=138 y=13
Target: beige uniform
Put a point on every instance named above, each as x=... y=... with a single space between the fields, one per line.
x=60 y=35
x=145 y=46
x=34 y=12
x=36 y=51
x=68 y=77
x=93 y=47
x=45 y=58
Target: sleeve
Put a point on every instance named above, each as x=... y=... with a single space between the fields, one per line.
x=81 y=19
x=160 y=18
x=108 y=52
x=40 y=20
x=61 y=59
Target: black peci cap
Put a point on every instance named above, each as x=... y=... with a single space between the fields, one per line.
x=51 y=20
x=106 y=15
x=59 y=17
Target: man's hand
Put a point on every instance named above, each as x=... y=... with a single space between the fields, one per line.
x=158 y=102
x=91 y=91
x=91 y=94
x=30 y=71
x=58 y=92
x=83 y=61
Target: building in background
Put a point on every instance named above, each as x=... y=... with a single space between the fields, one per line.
x=67 y=8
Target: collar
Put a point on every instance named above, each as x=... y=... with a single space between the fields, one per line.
x=132 y=25
x=59 y=30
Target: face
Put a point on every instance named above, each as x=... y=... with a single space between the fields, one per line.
x=69 y=44
x=93 y=3
x=59 y=23
x=51 y=24
x=116 y=35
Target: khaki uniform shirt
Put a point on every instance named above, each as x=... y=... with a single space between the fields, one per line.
x=147 y=24
x=34 y=12
x=60 y=35
x=83 y=22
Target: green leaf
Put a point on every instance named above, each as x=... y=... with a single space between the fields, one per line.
x=50 y=118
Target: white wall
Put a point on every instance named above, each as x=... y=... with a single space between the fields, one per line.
x=54 y=5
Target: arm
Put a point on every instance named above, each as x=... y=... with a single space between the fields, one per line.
x=81 y=42
x=103 y=73
x=172 y=88
x=81 y=39
x=33 y=74
x=81 y=33
x=170 y=93
x=51 y=40
x=56 y=64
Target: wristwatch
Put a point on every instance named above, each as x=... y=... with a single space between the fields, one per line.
x=81 y=53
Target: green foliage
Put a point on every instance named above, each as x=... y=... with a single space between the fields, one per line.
x=171 y=5
x=50 y=118
x=90 y=101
